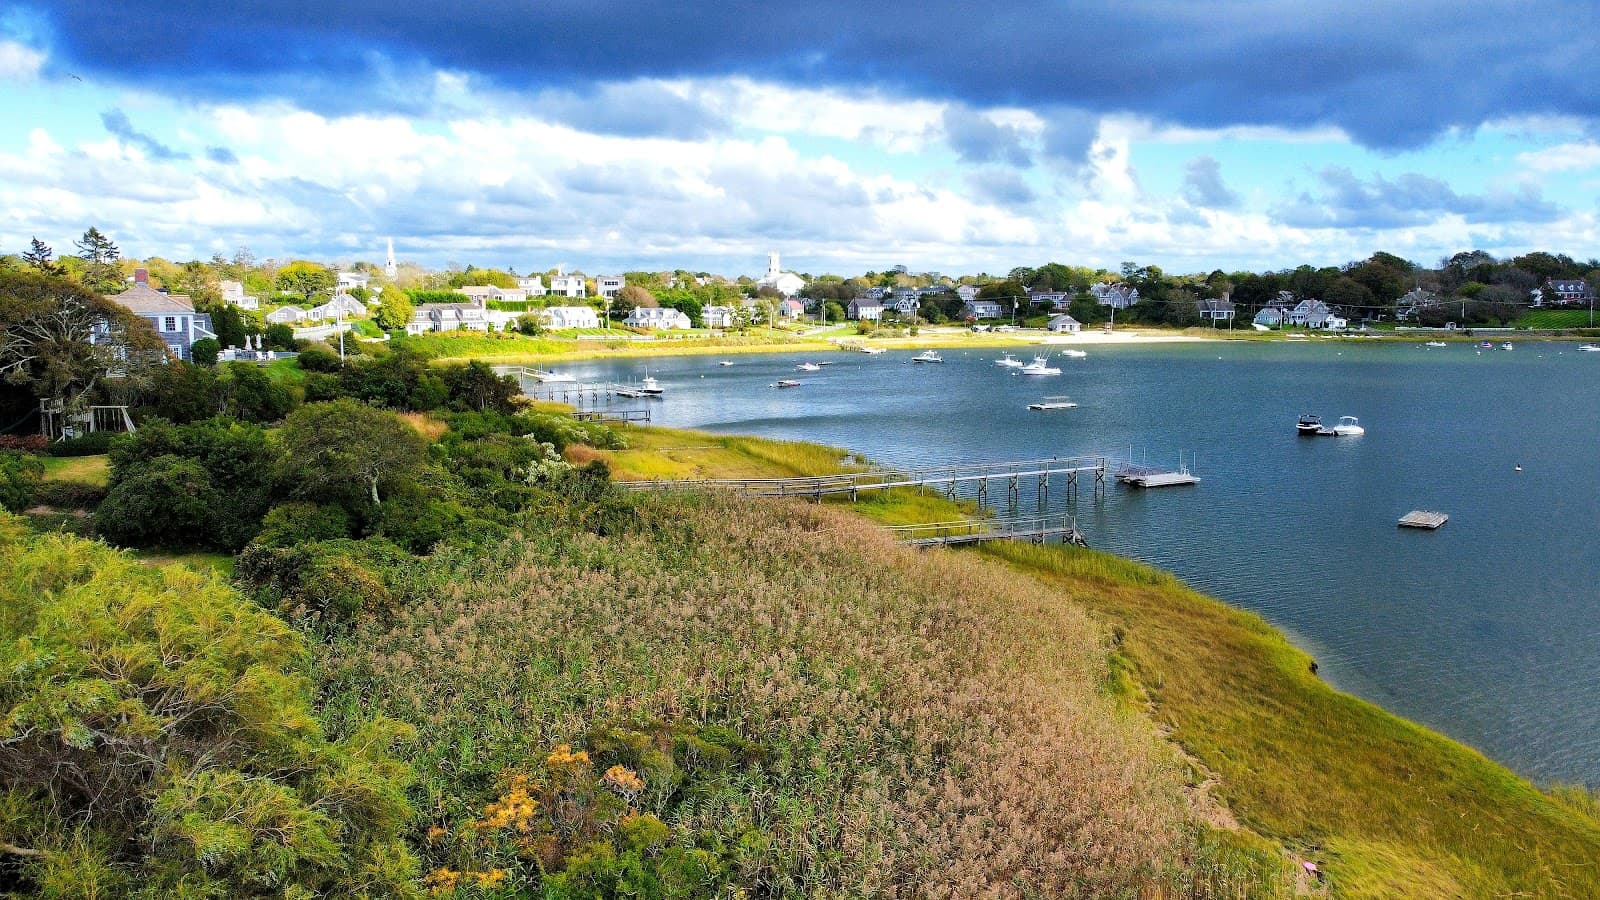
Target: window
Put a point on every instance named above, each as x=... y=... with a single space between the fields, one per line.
x=170 y=323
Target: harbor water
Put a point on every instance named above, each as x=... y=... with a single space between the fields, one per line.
x=1487 y=629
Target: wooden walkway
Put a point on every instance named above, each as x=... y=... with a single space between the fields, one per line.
x=1036 y=529
x=574 y=393
x=1010 y=477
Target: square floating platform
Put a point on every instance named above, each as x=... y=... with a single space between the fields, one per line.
x=1421 y=518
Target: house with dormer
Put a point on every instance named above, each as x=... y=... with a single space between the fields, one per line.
x=172 y=315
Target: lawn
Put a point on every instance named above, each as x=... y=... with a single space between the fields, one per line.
x=1550 y=319
x=84 y=469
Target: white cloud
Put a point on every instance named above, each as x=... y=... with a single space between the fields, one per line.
x=1562 y=158
x=19 y=62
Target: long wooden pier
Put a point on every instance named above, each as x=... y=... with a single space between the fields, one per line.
x=575 y=393
x=1010 y=477
x=1036 y=529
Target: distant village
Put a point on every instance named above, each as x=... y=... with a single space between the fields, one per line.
x=303 y=300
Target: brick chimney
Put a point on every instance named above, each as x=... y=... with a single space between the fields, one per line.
x=141 y=276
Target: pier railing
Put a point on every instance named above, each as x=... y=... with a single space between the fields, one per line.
x=1010 y=477
x=970 y=531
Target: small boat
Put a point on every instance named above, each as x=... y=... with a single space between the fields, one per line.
x=1507 y=346
x=873 y=350
x=1010 y=362
x=1309 y=424
x=1075 y=354
x=1437 y=344
x=651 y=387
x=1348 y=426
x=1039 y=367
x=809 y=367
x=928 y=356
x=1486 y=345
x=786 y=383
x=1589 y=348
x=725 y=363
x=1050 y=403
x=549 y=377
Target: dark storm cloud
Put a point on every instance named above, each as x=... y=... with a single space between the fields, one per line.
x=1002 y=187
x=1394 y=76
x=977 y=139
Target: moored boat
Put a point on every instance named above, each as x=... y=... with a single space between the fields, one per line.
x=1075 y=354
x=1506 y=346
x=1308 y=424
x=1348 y=426
x=1039 y=366
x=928 y=356
x=809 y=367
x=1437 y=344
x=1010 y=362
x=786 y=383
x=1050 y=403
x=650 y=387
x=1589 y=348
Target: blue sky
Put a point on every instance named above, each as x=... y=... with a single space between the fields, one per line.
x=937 y=135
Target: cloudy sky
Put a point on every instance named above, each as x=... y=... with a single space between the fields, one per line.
x=941 y=135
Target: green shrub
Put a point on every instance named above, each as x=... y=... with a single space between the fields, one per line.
x=328 y=581
x=320 y=359
x=166 y=502
x=92 y=444
x=293 y=523
x=20 y=478
x=204 y=351
x=156 y=740
x=69 y=495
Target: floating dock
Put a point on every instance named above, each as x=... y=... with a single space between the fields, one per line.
x=1159 y=479
x=1422 y=518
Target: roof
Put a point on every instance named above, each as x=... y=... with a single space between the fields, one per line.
x=142 y=298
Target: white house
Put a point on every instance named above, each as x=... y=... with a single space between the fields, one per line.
x=233 y=294
x=656 y=317
x=287 y=315
x=1315 y=314
x=785 y=283
x=482 y=293
x=1053 y=299
x=905 y=301
x=351 y=280
x=967 y=292
x=447 y=317
x=568 y=286
x=718 y=317
x=608 y=285
x=560 y=318
x=984 y=309
x=533 y=285
x=1064 y=324
x=346 y=307
x=864 y=310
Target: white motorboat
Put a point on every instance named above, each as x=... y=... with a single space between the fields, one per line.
x=1050 y=403
x=651 y=387
x=809 y=367
x=1308 y=424
x=874 y=350
x=1039 y=366
x=1589 y=348
x=1010 y=362
x=1506 y=346
x=548 y=377
x=1075 y=354
x=725 y=363
x=1437 y=344
x=1348 y=426
x=786 y=383
x=928 y=356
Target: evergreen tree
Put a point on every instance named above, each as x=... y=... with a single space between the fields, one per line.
x=100 y=257
x=41 y=257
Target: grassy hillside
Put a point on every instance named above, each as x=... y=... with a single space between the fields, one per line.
x=819 y=710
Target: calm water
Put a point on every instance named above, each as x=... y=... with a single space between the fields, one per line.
x=1487 y=630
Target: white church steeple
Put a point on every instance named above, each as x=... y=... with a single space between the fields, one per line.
x=390 y=270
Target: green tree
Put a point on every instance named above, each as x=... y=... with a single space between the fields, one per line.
x=308 y=279
x=58 y=339
x=229 y=324
x=156 y=740
x=280 y=337
x=99 y=255
x=19 y=479
x=350 y=453
x=41 y=257
x=182 y=393
x=394 y=309
x=252 y=396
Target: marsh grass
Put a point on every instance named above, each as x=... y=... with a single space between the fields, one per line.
x=915 y=726
x=1386 y=807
